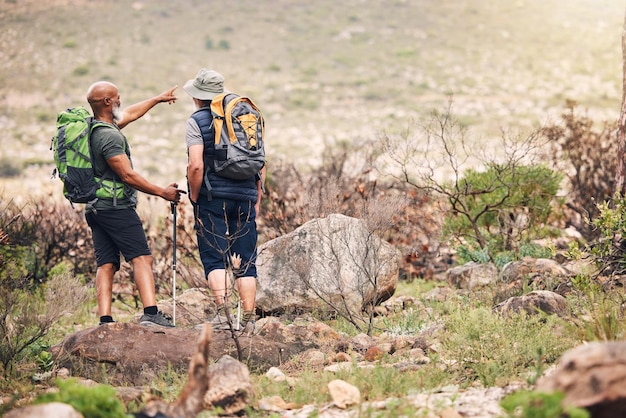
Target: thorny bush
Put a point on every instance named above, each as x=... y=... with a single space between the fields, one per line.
x=345 y=184
x=588 y=158
x=48 y=234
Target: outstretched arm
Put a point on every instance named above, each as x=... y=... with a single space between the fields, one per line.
x=137 y=110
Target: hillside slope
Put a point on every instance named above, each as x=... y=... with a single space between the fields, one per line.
x=322 y=71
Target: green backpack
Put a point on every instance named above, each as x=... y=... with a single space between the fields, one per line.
x=72 y=156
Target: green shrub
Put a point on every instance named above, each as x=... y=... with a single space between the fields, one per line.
x=499 y=211
x=208 y=43
x=408 y=322
x=39 y=351
x=533 y=404
x=466 y=254
x=45 y=361
x=81 y=70
x=28 y=312
x=609 y=250
x=602 y=308
x=99 y=401
x=9 y=167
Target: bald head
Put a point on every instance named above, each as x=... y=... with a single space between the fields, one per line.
x=104 y=99
x=100 y=90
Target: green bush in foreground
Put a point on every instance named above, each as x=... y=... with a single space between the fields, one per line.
x=98 y=401
x=533 y=404
x=28 y=313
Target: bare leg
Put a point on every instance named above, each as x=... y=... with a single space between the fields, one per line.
x=219 y=284
x=247 y=292
x=144 y=279
x=104 y=288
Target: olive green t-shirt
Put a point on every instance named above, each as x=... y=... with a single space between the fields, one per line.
x=106 y=142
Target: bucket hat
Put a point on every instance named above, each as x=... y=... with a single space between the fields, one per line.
x=206 y=85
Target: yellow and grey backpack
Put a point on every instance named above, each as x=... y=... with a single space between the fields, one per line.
x=239 y=136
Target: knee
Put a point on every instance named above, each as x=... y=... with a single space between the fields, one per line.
x=247 y=282
x=142 y=260
x=108 y=268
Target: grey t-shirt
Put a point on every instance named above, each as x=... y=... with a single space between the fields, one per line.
x=106 y=142
x=193 y=135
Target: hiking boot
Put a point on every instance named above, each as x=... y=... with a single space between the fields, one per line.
x=247 y=329
x=247 y=324
x=107 y=323
x=156 y=320
x=219 y=322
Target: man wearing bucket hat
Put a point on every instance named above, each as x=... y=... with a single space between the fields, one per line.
x=226 y=215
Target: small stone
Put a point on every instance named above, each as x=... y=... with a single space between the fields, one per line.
x=276 y=374
x=374 y=353
x=344 y=394
x=342 y=357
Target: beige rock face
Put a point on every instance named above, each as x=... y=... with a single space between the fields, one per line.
x=328 y=261
x=230 y=387
x=472 y=276
x=535 y=301
x=53 y=409
x=344 y=394
x=592 y=376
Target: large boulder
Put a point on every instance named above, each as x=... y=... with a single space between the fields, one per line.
x=335 y=262
x=125 y=353
x=592 y=376
x=534 y=273
x=539 y=271
x=472 y=275
x=535 y=302
x=230 y=386
x=131 y=354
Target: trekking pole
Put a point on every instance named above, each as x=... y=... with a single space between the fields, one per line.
x=173 y=205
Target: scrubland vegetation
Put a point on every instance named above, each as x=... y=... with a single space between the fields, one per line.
x=499 y=134
x=510 y=210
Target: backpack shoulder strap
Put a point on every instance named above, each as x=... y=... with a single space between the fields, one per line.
x=249 y=121
x=217 y=105
x=219 y=113
x=93 y=124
